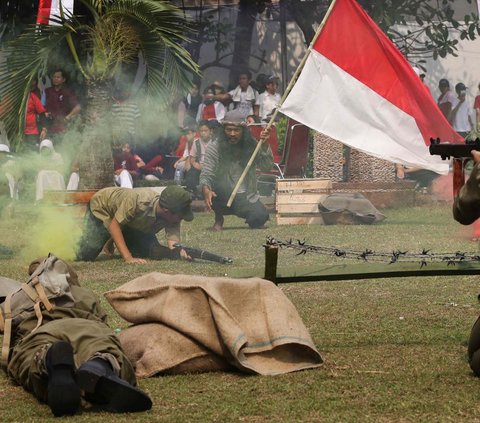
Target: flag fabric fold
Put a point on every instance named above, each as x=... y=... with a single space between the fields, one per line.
x=358 y=88
x=48 y=9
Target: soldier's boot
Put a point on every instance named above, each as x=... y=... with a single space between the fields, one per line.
x=63 y=394
x=103 y=387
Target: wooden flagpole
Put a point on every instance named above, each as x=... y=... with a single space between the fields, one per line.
x=285 y=94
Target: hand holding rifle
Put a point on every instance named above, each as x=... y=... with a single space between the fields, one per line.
x=476 y=156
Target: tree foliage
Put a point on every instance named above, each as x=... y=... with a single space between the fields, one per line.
x=435 y=34
x=112 y=34
x=435 y=31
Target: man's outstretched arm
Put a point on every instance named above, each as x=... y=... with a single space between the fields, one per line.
x=117 y=236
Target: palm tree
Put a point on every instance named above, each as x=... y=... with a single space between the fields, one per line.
x=115 y=33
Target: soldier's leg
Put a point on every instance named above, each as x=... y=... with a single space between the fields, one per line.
x=89 y=339
x=255 y=214
x=147 y=246
x=219 y=206
x=94 y=237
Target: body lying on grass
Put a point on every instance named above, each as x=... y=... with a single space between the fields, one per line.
x=65 y=327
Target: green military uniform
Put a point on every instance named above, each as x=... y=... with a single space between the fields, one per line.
x=466 y=207
x=82 y=325
x=135 y=211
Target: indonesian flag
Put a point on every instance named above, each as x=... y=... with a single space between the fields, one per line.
x=357 y=87
x=51 y=8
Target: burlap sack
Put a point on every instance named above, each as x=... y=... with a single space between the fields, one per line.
x=250 y=323
x=186 y=356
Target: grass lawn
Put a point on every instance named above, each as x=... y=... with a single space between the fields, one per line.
x=394 y=349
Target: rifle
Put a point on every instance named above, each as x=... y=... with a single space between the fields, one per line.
x=196 y=253
x=460 y=153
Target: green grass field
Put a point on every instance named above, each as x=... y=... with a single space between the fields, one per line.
x=394 y=349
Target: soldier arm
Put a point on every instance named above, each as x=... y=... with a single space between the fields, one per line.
x=466 y=207
x=115 y=231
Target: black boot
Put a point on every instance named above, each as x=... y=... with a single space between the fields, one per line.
x=63 y=394
x=105 y=388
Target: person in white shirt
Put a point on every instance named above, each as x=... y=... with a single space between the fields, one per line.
x=210 y=109
x=447 y=100
x=269 y=99
x=243 y=97
x=462 y=121
x=197 y=157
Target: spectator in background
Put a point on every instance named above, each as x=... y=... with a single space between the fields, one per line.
x=50 y=170
x=62 y=105
x=210 y=109
x=269 y=99
x=7 y=178
x=125 y=167
x=197 y=157
x=421 y=74
x=183 y=163
x=243 y=97
x=35 y=112
x=188 y=106
x=220 y=91
x=462 y=121
x=125 y=115
x=252 y=120
x=447 y=100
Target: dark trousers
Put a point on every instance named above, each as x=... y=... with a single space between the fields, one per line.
x=140 y=244
x=192 y=179
x=255 y=214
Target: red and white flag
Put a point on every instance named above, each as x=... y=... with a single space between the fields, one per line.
x=51 y=8
x=358 y=88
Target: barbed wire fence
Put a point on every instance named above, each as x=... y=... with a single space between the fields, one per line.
x=423 y=258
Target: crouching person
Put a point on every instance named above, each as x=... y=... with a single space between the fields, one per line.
x=225 y=159
x=132 y=218
x=58 y=346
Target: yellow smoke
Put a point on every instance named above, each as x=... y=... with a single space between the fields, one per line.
x=55 y=229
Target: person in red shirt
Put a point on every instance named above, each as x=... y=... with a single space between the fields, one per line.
x=125 y=167
x=61 y=103
x=35 y=110
x=210 y=109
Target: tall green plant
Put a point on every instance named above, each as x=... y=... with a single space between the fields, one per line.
x=115 y=33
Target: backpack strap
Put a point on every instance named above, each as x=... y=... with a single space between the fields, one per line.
x=7 y=332
x=31 y=293
x=38 y=313
x=41 y=294
x=2 y=321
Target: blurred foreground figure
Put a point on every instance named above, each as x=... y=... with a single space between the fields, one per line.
x=51 y=325
x=132 y=218
x=466 y=207
x=225 y=159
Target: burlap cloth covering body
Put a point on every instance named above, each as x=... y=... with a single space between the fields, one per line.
x=185 y=323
